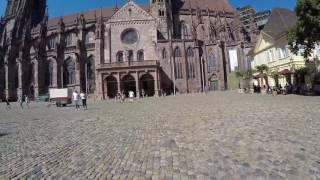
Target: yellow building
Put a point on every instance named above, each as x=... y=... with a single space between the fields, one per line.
x=272 y=49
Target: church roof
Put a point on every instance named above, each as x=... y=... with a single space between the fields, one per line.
x=215 y=5
x=279 y=22
x=89 y=15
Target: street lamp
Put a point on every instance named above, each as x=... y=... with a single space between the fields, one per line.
x=86 y=74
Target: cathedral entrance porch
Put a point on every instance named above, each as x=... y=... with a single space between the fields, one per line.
x=140 y=77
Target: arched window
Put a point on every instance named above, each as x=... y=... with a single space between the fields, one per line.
x=50 y=68
x=89 y=37
x=212 y=62
x=178 y=63
x=69 y=72
x=52 y=43
x=164 y=54
x=140 y=55
x=119 y=57
x=191 y=64
x=69 y=39
x=130 y=55
x=91 y=83
x=49 y=73
x=184 y=31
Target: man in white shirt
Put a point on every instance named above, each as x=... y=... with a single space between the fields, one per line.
x=84 y=100
x=76 y=99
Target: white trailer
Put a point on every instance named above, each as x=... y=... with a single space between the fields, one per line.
x=61 y=97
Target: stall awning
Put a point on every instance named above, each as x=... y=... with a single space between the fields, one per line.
x=285 y=72
x=260 y=75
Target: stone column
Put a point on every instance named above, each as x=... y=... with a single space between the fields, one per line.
x=20 y=77
x=7 y=91
x=104 y=89
x=100 y=87
x=137 y=84
x=119 y=82
x=156 y=83
x=35 y=67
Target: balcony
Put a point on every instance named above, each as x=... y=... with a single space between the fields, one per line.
x=90 y=46
x=132 y=64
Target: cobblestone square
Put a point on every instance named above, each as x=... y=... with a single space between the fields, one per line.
x=223 y=135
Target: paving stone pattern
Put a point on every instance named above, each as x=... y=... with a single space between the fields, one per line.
x=216 y=136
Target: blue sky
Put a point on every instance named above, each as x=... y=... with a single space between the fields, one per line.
x=63 y=7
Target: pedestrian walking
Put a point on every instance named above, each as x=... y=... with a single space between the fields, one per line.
x=76 y=99
x=8 y=104
x=26 y=100
x=20 y=100
x=84 y=100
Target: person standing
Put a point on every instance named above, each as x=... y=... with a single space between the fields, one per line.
x=76 y=98
x=84 y=100
x=26 y=100
x=8 y=104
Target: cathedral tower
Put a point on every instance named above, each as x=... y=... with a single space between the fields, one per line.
x=20 y=17
x=162 y=10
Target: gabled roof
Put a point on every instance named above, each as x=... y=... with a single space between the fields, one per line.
x=88 y=15
x=279 y=22
x=215 y=5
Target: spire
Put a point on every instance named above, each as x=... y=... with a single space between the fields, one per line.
x=116 y=8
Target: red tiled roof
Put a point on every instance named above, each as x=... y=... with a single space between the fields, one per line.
x=216 y=5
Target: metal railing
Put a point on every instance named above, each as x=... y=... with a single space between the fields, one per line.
x=129 y=64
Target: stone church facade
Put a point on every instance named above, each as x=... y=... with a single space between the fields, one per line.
x=167 y=46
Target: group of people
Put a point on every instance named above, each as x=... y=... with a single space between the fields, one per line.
x=287 y=89
x=21 y=100
x=76 y=97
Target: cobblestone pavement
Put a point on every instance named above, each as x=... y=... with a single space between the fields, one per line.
x=221 y=135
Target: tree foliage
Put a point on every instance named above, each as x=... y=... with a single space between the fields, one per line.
x=262 y=68
x=306 y=33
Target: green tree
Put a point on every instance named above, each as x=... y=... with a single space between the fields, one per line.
x=263 y=69
x=305 y=34
x=275 y=76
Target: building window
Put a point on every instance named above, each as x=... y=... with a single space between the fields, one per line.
x=49 y=73
x=184 y=30
x=69 y=72
x=119 y=57
x=89 y=37
x=178 y=64
x=91 y=75
x=52 y=43
x=140 y=55
x=270 y=56
x=164 y=54
x=130 y=55
x=69 y=40
x=283 y=52
x=129 y=36
x=212 y=62
x=161 y=13
x=191 y=64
